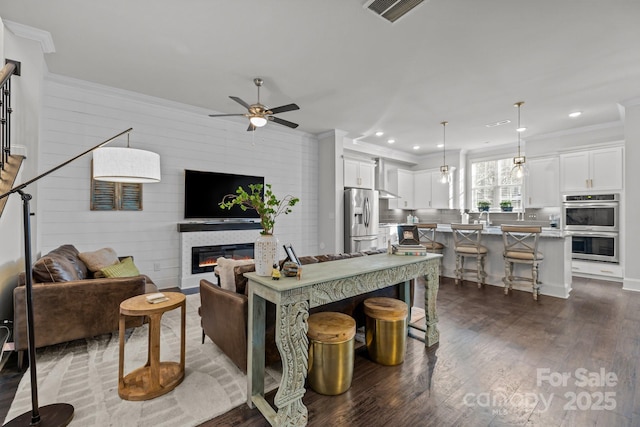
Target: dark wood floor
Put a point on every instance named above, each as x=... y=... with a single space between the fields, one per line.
x=485 y=370
x=494 y=366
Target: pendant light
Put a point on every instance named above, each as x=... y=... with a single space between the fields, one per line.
x=445 y=177
x=519 y=161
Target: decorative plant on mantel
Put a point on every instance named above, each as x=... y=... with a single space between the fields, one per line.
x=268 y=207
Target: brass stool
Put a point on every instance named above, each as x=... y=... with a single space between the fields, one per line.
x=386 y=329
x=521 y=247
x=331 y=352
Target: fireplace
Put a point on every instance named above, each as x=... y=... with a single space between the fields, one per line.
x=205 y=258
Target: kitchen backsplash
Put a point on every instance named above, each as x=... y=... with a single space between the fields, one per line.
x=448 y=216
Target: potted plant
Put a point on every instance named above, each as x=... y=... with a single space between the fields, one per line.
x=506 y=206
x=483 y=205
x=268 y=207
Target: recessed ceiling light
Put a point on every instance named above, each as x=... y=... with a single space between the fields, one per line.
x=500 y=123
x=575 y=114
x=379 y=133
x=391 y=141
x=521 y=129
x=416 y=147
x=440 y=145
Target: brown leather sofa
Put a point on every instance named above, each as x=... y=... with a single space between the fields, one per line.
x=224 y=313
x=68 y=303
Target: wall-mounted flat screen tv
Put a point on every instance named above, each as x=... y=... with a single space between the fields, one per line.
x=203 y=191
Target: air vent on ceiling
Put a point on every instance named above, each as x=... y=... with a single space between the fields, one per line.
x=499 y=123
x=391 y=10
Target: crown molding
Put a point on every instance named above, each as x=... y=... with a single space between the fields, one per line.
x=31 y=33
x=632 y=102
x=110 y=91
x=577 y=131
x=377 y=151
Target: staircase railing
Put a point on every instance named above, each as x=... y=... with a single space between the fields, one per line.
x=10 y=68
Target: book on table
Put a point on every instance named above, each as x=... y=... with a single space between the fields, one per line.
x=419 y=250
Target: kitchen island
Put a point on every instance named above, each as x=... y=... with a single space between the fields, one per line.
x=555 y=270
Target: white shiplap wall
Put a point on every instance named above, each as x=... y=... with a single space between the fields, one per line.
x=77 y=115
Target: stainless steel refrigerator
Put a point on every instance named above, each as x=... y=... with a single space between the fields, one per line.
x=360 y=219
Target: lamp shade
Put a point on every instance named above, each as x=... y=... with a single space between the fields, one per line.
x=118 y=164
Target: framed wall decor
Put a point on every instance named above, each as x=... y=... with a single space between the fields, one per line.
x=291 y=255
x=408 y=235
x=115 y=196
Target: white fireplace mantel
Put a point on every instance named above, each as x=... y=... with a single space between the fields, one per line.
x=215 y=234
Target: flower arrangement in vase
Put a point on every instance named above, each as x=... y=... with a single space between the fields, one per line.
x=268 y=207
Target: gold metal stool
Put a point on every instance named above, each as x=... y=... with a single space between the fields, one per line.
x=386 y=329
x=331 y=352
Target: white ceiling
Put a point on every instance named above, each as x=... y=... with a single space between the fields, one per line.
x=464 y=61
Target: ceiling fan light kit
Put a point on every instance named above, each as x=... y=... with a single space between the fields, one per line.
x=259 y=114
x=258 y=121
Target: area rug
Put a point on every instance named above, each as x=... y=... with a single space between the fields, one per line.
x=84 y=373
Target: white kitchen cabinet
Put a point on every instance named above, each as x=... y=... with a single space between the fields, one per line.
x=441 y=193
x=401 y=182
x=358 y=173
x=422 y=192
x=418 y=190
x=384 y=236
x=593 y=170
x=429 y=192
x=543 y=183
x=608 y=271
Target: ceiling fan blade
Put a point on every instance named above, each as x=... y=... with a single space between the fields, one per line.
x=224 y=115
x=251 y=127
x=240 y=101
x=283 y=122
x=283 y=108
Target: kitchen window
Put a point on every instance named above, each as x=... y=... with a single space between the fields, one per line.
x=492 y=181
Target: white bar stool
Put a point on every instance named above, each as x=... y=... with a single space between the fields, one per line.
x=467 y=239
x=521 y=247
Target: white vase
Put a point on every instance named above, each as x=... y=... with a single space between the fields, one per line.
x=265 y=254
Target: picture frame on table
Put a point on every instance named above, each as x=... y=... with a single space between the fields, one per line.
x=408 y=235
x=291 y=255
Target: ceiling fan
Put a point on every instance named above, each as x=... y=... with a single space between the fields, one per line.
x=258 y=114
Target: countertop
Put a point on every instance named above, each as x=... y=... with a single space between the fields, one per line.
x=490 y=230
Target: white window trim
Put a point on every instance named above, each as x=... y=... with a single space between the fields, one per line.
x=476 y=157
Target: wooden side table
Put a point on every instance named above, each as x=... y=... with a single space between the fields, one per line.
x=155 y=378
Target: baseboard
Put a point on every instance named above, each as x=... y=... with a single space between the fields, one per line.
x=629 y=284
x=551 y=290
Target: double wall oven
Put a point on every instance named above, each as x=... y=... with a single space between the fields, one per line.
x=592 y=221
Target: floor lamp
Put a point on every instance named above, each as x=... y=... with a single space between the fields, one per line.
x=122 y=165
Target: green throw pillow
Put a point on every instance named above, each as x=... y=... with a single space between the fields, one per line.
x=126 y=268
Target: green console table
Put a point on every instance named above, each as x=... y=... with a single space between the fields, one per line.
x=320 y=284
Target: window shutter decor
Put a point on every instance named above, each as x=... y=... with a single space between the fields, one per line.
x=112 y=196
x=130 y=196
